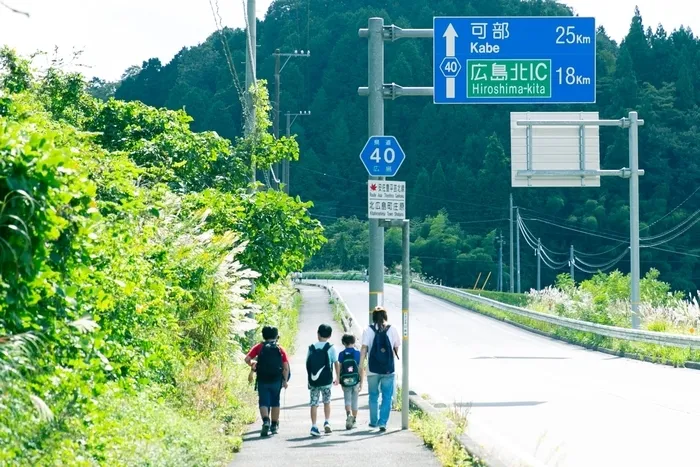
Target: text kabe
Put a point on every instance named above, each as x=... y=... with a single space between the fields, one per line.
x=486 y=48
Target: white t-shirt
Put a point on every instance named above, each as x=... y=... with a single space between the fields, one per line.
x=368 y=340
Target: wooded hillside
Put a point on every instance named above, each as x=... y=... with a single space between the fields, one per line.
x=458 y=156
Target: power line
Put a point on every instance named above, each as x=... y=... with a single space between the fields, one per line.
x=661 y=242
x=214 y=5
x=672 y=210
x=523 y=226
x=674 y=251
x=653 y=247
x=672 y=230
x=574 y=229
x=604 y=252
x=561 y=219
x=605 y=265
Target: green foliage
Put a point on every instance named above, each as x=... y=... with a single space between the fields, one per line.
x=346 y=248
x=124 y=300
x=161 y=142
x=260 y=146
x=279 y=231
x=439 y=250
x=441 y=440
x=15 y=75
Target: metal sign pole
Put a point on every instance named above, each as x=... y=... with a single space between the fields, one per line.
x=376 y=127
x=632 y=123
x=634 y=217
x=405 y=289
x=511 y=284
x=517 y=246
x=539 y=264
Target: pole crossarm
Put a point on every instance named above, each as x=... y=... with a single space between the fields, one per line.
x=393 y=91
x=289 y=55
x=392 y=33
x=622 y=173
x=622 y=123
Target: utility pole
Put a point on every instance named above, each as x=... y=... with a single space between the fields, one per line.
x=278 y=71
x=500 y=261
x=517 y=212
x=250 y=70
x=375 y=84
x=539 y=266
x=571 y=261
x=276 y=119
x=285 y=163
x=512 y=272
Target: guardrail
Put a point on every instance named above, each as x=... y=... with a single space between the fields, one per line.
x=628 y=334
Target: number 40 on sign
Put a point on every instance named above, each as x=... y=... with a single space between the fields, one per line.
x=382 y=156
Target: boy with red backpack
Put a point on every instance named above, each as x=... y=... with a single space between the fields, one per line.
x=272 y=368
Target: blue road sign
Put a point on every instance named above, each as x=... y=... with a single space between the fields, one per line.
x=514 y=60
x=382 y=156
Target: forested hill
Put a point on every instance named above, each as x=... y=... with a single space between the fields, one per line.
x=458 y=156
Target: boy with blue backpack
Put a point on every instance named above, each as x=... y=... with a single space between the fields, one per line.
x=350 y=379
x=380 y=343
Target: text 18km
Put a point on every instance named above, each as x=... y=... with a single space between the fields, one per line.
x=570 y=77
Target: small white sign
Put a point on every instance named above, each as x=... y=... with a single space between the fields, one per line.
x=386 y=200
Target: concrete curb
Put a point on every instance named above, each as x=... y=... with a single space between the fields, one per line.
x=509 y=458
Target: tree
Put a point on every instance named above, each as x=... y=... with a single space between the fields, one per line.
x=439 y=188
x=420 y=201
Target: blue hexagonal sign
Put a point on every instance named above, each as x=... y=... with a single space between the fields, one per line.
x=382 y=156
x=450 y=67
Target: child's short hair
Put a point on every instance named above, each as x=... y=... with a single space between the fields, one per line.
x=269 y=332
x=348 y=339
x=325 y=331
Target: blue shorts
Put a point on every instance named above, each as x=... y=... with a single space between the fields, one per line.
x=269 y=394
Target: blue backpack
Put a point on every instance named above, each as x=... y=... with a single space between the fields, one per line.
x=381 y=357
x=349 y=371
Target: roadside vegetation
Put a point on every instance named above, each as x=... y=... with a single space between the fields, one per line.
x=128 y=249
x=440 y=433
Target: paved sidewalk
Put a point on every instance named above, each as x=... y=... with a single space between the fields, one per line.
x=293 y=446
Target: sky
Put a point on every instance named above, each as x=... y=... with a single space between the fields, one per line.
x=116 y=34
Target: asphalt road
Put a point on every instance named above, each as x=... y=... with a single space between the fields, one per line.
x=561 y=404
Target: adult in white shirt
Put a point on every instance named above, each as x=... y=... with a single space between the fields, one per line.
x=380 y=343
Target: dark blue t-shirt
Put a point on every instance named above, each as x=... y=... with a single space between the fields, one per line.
x=350 y=353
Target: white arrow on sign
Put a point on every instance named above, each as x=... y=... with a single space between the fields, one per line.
x=450 y=35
